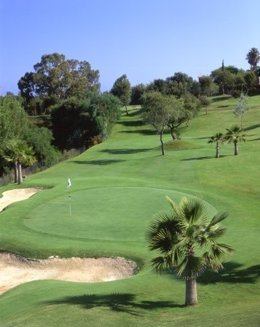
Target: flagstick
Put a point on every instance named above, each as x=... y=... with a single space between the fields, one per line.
x=69 y=186
x=70 y=204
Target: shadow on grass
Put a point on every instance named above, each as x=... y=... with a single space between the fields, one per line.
x=232 y=273
x=254 y=139
x=249 y=128
x=115 y=302
x=204 y=158
x=140 y=131
x=97 y=162
x=124 y=151
x=135 y=112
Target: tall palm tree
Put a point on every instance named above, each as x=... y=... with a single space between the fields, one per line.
x=218 y=138
x=188 y=242
x=18 y=153
x=234 y=135
x=253 y=58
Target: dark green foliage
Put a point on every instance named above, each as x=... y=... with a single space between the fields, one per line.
x=40 y=139
x=122 y=90
x=76 y=122
x=137 y=93
x=253 y=58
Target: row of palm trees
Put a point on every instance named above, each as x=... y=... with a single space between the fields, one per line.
x=233 y=135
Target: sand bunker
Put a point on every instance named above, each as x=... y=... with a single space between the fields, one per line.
x=15 y=270
x=16 y=195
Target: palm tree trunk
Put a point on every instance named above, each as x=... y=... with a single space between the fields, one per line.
x=162 y=145
x=191 y=292
x=20 y=174
x=235 y=148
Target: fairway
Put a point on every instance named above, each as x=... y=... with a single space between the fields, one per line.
x=118 y=188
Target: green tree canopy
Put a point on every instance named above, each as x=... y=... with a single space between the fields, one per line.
x=13 y=119
x=122 y=90
x=253 y=58
x=156 y=112
x=54 y=79
x=78 y=122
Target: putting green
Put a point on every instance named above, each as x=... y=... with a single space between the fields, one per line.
x=114 y=213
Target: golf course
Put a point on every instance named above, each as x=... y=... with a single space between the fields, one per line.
x=118 y=188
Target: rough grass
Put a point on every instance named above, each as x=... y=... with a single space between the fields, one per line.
x=118 y=187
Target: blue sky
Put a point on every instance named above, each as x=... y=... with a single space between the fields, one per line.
x=144 y=39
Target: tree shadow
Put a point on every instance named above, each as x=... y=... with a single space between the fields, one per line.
x=204 y=158
x=97 y=162
x=254 y=139
x=140 y=131
x=132 y=123
x=198 y=158
x=124 y=302
x=251 y=127
x=232 y=273
x=125 y=151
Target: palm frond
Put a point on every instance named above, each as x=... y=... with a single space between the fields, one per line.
x=217 y=218
x=190 y=266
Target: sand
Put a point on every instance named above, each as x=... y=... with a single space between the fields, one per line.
x=16 y=270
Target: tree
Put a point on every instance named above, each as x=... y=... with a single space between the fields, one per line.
x=253 y=58
x=18 y=153
x=205 y=102
x=218 y=138
x=76 y=122
x=55 y=79
x=122 y=90
x=137 y=93
x=177 y=116
x=40 y=140
x=13 y=119
x=241 y=108
x=156 y=112
x=205 y=85
x=234 y=135
x=187 y=240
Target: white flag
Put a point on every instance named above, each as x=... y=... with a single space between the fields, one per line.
x=69 y=183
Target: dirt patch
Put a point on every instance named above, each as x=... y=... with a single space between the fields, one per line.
x=16 y=195
x=16 y=270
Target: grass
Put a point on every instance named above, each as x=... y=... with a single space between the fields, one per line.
x=118 y=187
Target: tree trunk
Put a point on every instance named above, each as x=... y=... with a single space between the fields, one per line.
x=217 y=150
x=191 y=292
x=20 y=174
x=162 y=145
x=15 y=172
x=173 y=134
x=235 y=148
x=126 y=110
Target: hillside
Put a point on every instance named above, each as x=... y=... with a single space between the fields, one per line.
x=118 y=187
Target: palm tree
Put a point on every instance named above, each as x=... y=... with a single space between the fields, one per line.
x=18 y=153
x=234 y=135
x=217 y=138
x=253 y=58
x=188 y=242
